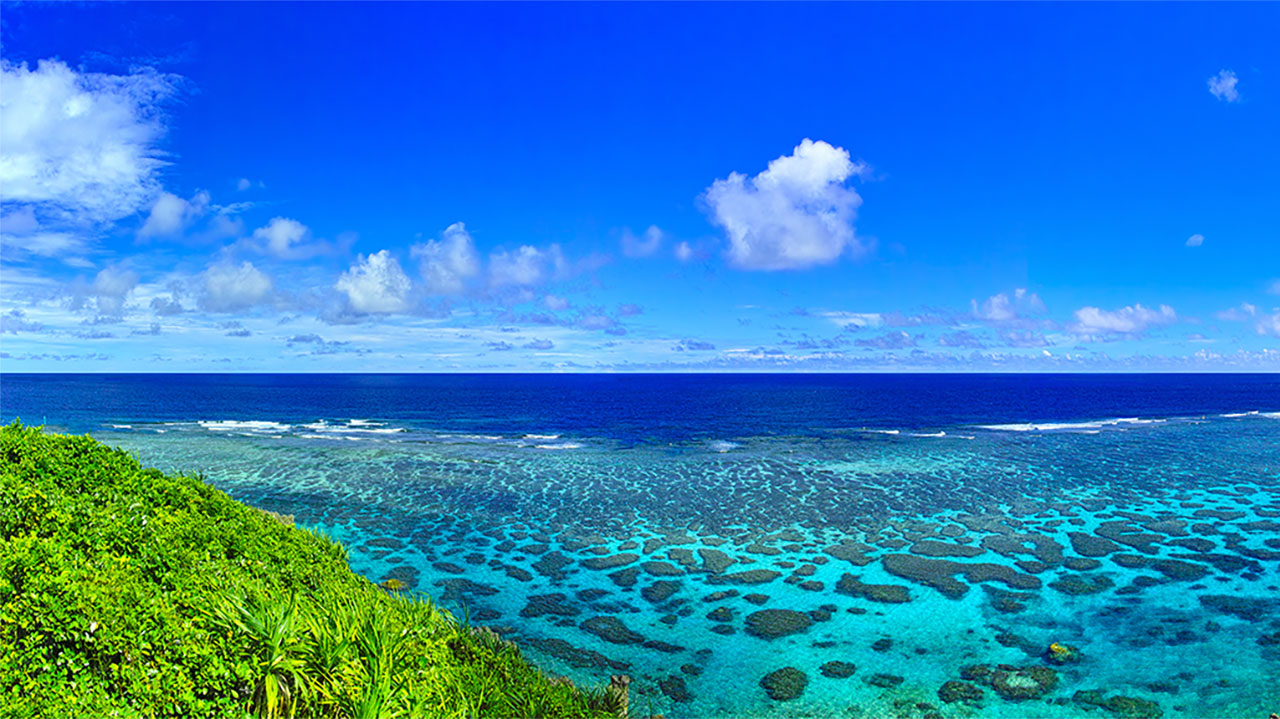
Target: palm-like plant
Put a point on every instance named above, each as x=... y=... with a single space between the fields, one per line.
x=272 y=631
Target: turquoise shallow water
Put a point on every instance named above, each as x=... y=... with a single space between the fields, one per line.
x=1152 y=548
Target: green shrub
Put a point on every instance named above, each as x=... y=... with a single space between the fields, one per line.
x=128 y=592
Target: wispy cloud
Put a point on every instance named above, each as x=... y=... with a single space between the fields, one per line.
x=81 y=147
x=1003 y=307
x=889 y=341
x=1131 y=320
x=645 y=245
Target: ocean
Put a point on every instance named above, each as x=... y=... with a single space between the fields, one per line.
x=778 y=545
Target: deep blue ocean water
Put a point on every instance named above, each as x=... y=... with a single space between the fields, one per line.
x=646 y=524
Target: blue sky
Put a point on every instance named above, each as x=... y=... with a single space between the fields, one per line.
x=643 y=187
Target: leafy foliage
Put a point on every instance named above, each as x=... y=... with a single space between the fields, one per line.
x=128 y=592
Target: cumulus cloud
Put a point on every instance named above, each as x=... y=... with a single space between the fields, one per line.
x=796 y=214
x=448 y=264
x=81 y=147
x=526 y=266
x=643 y=246
x=111 y=287
x=1195 y=240
x=167 y=306
x=1131 y=320
x=539 y=345
x=1004 y=308
x=171 y=214
x=499 y=346
x=554 y=303
x=684 y=252
x=1223 y=86
x=229 y=287
x=286 y=238
x=629 y=310
x=375 y=285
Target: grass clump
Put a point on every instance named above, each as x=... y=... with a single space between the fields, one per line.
x=128 y=592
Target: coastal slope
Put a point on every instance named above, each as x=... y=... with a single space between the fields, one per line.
x=125 y=591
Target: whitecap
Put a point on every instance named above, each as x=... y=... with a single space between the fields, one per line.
x=722 y=445
x=561 y=445
x=243 y=426
x=1087 y=427
x=542 y=436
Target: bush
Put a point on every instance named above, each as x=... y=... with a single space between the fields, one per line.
x=128 y=592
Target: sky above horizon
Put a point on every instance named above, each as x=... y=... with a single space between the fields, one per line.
x=639 y=187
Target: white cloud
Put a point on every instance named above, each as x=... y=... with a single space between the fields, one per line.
x=890 y=341
x=229 y=287
x=167 y=306
x=14 y=322
x=111 y=287
x=243 y=184
x=854 y=319
x=283 y=237
x=1195 y=240
x=1130 y=320
x=595 y=322
x=1003 y=308
x=555 y=303
x=795 y=215
x=376 y=285
x=449 y=263
x=526 y=266
x=684 y=252
x=21 y=221
x=171 y=214
x=81 y=147
x=1223 y=86
x=1238 y=314
x=643 y=246
x=47 y=244
x=1269 y=325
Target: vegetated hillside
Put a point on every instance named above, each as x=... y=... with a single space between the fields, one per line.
x=128 y=592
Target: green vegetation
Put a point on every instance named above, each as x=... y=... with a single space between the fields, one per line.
x=128 y=592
